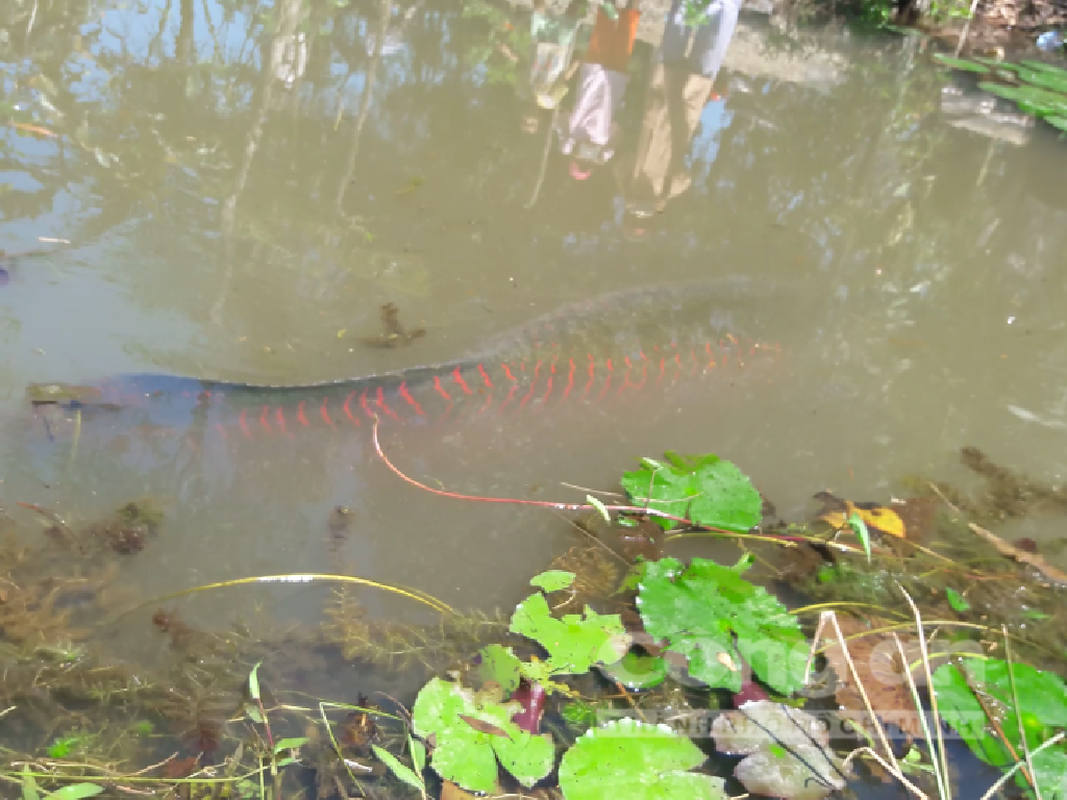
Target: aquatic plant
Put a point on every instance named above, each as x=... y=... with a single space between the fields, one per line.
x=718 y=622
x=1005 y=712
x=1035 y=87
x=704 y=490
x=631 y=760
x=686 y=640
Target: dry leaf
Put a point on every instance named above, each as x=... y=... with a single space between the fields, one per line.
x=881 y=672
x=835 y=512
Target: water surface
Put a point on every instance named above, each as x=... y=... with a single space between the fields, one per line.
x=242 y=192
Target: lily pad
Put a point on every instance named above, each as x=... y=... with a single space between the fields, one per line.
x=501 y=665
x=575 y=643
x=630 y=760
x=638 y=672
x=715 y=618
x=553 y=580
x=703 y=489
x=473 y=731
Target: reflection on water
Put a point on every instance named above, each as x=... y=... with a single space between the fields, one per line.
x=242 y=191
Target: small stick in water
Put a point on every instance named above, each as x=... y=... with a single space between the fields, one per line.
x=58 y=520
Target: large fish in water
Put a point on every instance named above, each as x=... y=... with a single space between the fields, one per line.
x=590 y=352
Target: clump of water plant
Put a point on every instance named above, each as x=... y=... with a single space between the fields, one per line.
x=596 y=685
x=1036 y=87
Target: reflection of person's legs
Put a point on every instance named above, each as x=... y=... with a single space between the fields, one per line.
x=612 y=41
x=713 y=38
x=675 y=42
x=575 y=9
x=699 y=51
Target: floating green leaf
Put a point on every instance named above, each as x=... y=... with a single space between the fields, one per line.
x=638 y=672
x=1052 y=81
x=703 y=489
x=575 y=643
x=956 y=600
x=599 y=506
x=291 y=743
x=62 y=747
x=76 y=791
x=1042 y=710
x=398 y=768
x=961 y=64
x=418 y=754
x=1012 y=93
x=1031 y=99
x=253 y=681
x=500 y=664
x=714 y=617
x=553 y=580
x=578 y=712
x=1041 y=66
x=473 y=730
x=859 y=527
x=29 y=785
x=633 y=577
x=630 y=760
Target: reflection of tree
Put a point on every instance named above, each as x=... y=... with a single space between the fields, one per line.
x=41 y=38
x=415 y=149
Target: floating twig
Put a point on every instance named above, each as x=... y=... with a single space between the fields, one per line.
x=1023 y=557
x=35 y=129
x=58 y=520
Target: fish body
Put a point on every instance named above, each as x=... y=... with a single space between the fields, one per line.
x=591 y=352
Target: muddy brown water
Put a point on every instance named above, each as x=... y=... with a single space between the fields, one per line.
x=240 y=212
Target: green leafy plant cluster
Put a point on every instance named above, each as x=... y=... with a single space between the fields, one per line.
x=475 y=735
x=719 y=621
x=1035 y=87
x=707 y=616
